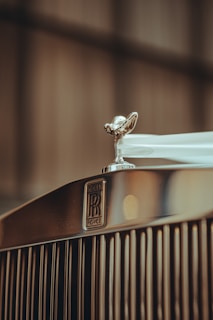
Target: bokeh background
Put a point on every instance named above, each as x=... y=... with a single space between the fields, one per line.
x=67 y=67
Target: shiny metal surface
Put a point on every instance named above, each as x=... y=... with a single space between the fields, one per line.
x=132 y=198
x=151 y=259
x=119 y=127
x=129 y=279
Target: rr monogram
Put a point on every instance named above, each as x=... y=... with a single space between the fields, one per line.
x=94 y=206
x=94 y=209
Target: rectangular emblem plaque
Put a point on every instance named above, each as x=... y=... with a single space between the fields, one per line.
x=94 y=204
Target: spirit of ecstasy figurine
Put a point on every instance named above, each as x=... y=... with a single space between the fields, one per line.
x=185 y=148
x=119 y=127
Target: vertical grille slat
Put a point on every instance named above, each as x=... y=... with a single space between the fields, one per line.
x=12 y=287
x=211 y=268
x=126 y=276
x=7 y=281
x=117 y=276
x=102 y=278
x=66 y=280
x=52 y=281
x=29 y=283
x=184 y=271
x=18 y=275
x=33 y=283
x=83 y=277
x=142 y=275
x=166 y=272
x=111 y=278
x=160 y=272
x=56 y=294
x=2 y=279
x=79 y=280
x=133 y=274
x=204 y=269
x=159 y=248
x=195 y=270
x=149 y=275
x=45 y=289
x=40 y=292
x=69 y=291
x=177 y=274
x=93 y=278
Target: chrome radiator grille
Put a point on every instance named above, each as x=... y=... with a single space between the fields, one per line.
x=157 y=272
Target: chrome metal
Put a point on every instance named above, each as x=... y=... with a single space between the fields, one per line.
x=66 y=280
x=29 y=281
x=174 y=195
x=152 y=258
x=126 y=276
x=119 y=127
x=79 y=280
x=142 y=275
x=102 y=278
x=195 y=270
x=159 y=267
x=177 y=274
x=111 y=278
x=211 y=266
x=93 y=278
x=18 y=277
x=149 y=275
x=7 y=279
x=204 y=269
x=185 y=270
x=166 y=272
x=52 y=282
x=133 y=274
x=117 y=274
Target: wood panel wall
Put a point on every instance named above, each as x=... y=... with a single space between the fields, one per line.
x=67 y=67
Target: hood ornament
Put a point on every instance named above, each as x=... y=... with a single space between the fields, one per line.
x=119 y=127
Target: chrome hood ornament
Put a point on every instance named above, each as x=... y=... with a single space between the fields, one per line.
x=185 y=148
x=119 y=127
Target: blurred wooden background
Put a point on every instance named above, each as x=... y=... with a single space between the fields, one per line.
x=67 y=67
